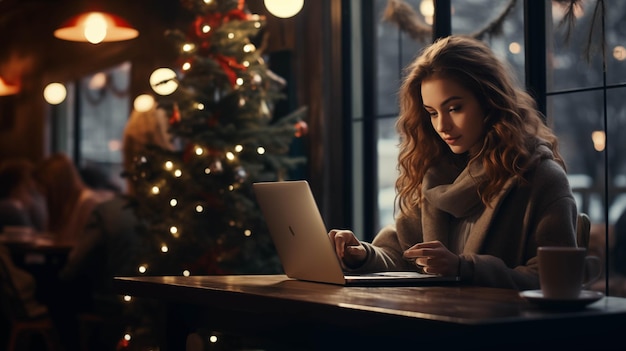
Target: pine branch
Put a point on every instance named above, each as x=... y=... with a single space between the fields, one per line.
x=403 y=15
x=495 y=27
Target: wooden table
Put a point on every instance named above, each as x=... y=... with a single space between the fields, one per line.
x=290 y=314
x=42 y=258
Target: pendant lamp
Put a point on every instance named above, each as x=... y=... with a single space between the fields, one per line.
x=7 y=89
x=96 y=27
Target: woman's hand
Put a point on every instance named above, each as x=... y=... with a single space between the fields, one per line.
x=348 y=248
x=434 y=257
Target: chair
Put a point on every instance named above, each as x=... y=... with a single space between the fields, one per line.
x=583 y=230
x=26 y=319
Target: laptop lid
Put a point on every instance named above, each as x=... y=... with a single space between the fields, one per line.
x=302 y=243
x=298 y=231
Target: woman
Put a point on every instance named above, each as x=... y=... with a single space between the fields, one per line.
x=70 y=201
x=21 y=200
x=481 y=182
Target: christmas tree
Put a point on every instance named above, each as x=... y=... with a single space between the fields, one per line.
x=196 y=198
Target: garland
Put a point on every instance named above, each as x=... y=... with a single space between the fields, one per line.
x=407 y=19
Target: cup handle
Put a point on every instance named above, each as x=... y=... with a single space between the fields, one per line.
x=593 y=270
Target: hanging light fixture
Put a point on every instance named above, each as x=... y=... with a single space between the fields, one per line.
x=7 y=89
x=284 y=8
x=96 y=27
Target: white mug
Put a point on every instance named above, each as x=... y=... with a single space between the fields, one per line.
x=562 y=271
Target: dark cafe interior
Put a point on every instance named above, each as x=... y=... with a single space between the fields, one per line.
x=133 y=135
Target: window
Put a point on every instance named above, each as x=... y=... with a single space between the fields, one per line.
x=580 y=96
x=91 y=130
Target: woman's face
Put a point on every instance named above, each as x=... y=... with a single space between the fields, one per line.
x=455 y=114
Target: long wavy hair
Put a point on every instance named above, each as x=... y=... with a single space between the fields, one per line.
x=62 y=186
x=512 y=121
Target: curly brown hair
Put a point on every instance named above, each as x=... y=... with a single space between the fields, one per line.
x=512 y=122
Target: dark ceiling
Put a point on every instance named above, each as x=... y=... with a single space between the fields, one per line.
x=29 y=47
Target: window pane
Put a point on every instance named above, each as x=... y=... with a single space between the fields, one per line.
x=507 y=40
x=575 y=117
x=568 y=58
x=616 y=123
x=104 y=112
x=394 y=50
x=387 y=169
x=616 y=41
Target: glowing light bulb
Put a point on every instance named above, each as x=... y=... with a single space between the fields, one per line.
x=163 y=81
x=55 y=93
x=284 y=8
x=599 y=140
x=143 y=103
x=95 y=29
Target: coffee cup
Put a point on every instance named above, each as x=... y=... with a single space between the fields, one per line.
x=565 y=271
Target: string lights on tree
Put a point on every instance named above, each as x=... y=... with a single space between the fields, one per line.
x=219 y=96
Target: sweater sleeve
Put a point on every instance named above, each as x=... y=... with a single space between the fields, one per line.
x=385 y=251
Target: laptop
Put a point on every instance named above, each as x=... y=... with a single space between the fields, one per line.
x=303 y=246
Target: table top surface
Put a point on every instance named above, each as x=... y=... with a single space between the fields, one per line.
x=466 y=305
x=40 y=243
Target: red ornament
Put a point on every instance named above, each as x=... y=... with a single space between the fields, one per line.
x=301 y=129
x=122 y=344
x=229 y=64
x=175 y=117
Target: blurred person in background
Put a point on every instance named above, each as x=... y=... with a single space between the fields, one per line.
x=70 y=201
x=21 y=201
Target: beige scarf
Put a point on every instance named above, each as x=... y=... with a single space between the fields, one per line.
x=451 y=192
